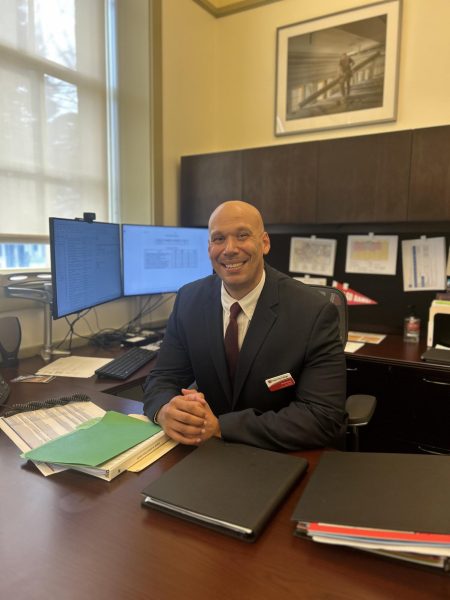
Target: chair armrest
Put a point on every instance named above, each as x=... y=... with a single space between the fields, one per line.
x=360 y=408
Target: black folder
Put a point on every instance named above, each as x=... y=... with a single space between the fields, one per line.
x=403 y=492
x=232 y=488
x=440 y=356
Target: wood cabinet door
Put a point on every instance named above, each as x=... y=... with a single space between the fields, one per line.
x=430 y=175
x=281 y=181
x=206 y=181
x=364 y=179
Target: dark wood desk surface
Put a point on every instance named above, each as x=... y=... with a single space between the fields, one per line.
x=393 y=350
x=75 y=537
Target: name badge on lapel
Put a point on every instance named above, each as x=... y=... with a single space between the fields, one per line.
x=279 y=382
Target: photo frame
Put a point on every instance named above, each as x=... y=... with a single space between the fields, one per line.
x=339 y=70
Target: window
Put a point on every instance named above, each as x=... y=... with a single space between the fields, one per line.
x=53 y=120
x=18 y=255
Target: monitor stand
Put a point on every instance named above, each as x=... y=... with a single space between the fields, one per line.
x=47 y=350
x=37 y=287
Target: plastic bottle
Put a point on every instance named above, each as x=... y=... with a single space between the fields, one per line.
x=411 y=326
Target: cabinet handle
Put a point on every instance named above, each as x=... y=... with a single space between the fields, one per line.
x=435 y=382
x=352 y=369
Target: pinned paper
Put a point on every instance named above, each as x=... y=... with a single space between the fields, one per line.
x=371 y=254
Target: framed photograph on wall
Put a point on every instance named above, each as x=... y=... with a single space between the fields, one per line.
x=339 y=70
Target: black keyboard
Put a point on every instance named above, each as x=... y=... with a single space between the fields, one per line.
x=126 y=364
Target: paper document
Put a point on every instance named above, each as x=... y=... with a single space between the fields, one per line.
x=74 y=366
x=312 y=255
x=352 y=347
x=312 y=280
x=152 y=456
x=424 y=264
x=372 y=254
x=369 y=544
x=31 y=429
x=367 y=338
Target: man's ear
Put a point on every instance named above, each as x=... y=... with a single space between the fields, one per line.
x=266 y=243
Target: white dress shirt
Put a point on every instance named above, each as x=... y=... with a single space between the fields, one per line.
x=248 y=305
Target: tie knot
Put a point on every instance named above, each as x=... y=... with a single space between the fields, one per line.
x=235 y=309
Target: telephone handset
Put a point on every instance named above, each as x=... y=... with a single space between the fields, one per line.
x=4 y=390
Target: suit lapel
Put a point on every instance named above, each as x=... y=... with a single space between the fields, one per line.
x=214 y=318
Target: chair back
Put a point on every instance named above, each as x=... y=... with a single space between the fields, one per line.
x=336 y=297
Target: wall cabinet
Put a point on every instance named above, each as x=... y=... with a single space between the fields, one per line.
x=388 y=177
x=364 y=179
x=206 y=181
x=281 y=181
x=430 y=175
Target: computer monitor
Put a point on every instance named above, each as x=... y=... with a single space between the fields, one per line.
x=159 y=260
x=86 y=265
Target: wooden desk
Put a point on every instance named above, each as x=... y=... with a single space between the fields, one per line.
x=413 y=397
x=394 y=351
x=75 y=537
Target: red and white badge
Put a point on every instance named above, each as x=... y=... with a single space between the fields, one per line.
x=279 y=382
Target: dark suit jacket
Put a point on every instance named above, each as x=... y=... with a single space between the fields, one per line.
x=294 y=330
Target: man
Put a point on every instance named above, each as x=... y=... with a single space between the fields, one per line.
x=345 y=69
x=285 y=329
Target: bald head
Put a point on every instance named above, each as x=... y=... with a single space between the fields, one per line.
x=237 y=209
x=237 y=246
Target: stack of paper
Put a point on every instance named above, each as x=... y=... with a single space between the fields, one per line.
x=74 y=366
x=389 y=504
x=82 y=436
x=421 y=548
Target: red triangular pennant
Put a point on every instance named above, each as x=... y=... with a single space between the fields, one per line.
x=353 y=297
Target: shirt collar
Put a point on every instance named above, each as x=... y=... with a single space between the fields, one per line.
x=248 y=302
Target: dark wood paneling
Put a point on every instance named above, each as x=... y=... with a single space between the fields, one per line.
x=430 y=175
x=364 y=179
x=282 y=182
x=383 y=178
x=206 y=181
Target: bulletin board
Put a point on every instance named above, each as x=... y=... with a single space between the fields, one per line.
x=387 y=290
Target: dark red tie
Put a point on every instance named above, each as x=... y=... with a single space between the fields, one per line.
x=231 y=340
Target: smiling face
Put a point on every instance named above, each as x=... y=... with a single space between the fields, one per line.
x=237 y=246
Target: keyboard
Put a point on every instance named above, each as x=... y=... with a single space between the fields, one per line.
x=126 y=364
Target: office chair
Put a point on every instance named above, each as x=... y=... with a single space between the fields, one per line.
x=360 y=407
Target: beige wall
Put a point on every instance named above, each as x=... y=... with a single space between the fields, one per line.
x=219 y=77
x=189 y=90
x=135 y=176
x=218 y=94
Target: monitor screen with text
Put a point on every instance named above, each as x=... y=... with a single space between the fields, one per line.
x=159 y=260
x=86 y=264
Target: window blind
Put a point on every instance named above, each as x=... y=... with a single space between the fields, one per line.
x=53 y=118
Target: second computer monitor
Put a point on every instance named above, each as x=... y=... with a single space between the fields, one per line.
x=159 y=260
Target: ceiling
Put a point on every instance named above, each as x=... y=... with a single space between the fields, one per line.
x=223 y=8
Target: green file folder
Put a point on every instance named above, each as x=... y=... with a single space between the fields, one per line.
x=95 y=441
